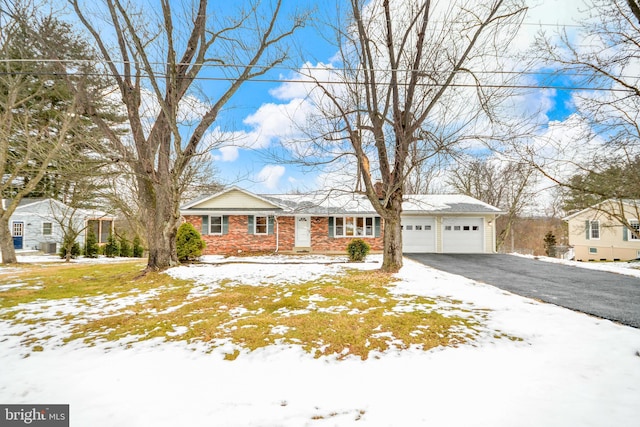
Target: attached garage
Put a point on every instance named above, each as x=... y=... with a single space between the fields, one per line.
x=418 y=234
x=462 y=235
x=448 y=223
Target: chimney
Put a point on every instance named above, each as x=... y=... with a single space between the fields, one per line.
x=379 y=189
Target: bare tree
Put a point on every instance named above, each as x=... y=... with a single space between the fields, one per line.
x=161 y=57
x=603 y=55
x=501 y=183
x=405 y=91
x=39 y=126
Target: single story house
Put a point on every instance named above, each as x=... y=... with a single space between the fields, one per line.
x=235 y=220
x=596 y=235
x=37 y=224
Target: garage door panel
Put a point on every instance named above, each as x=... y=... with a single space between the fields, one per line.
x=418 y=234
x=462 y=235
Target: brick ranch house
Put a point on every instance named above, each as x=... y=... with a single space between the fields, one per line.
x=235 y=220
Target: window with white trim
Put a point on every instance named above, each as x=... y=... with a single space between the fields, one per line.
x=261 y=225
x=215 y=225
x=350 y=226
x=594 y=229
x=635 y=229
x=47 y=228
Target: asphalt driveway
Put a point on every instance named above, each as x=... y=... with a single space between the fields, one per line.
x=608 y=295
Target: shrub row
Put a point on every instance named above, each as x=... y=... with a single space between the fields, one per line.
x=115 y=246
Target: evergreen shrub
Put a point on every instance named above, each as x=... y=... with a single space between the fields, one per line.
x=189 y=243
x=358 y=250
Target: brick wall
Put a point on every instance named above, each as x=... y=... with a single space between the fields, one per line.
x=238 y=239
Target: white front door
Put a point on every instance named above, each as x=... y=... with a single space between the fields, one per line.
x=303 y=231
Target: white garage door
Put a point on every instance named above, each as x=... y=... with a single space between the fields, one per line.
x=462 y=235
x=418 y=234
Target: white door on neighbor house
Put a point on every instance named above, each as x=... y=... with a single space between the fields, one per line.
x=303 y=231
x=17 y=232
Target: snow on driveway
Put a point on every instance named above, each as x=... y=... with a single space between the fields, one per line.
x=569 y=370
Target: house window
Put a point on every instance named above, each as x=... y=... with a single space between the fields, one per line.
x=215 y=225
x=101 y=229
x=350 y=226
x=369 y=228
x=635 y=230
x=594 y=231
x=593 y=250
x=47 y=229
x=261 y=225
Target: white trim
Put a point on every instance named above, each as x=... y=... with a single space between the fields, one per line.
x=255 y=225
x=42 y=228
x=597 y=221
x=209 y=232
x=632 y=236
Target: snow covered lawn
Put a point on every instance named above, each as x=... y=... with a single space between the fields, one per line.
x=528 y=363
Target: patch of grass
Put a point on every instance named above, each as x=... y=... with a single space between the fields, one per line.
x=351 y=314
x=67 y=281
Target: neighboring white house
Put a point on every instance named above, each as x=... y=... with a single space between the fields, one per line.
x=596 y=234
x=37 y=224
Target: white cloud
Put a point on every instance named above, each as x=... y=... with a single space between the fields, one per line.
x=227 y=154
x=270 y=175
x=547 y=16
x=272 y=122
x=304 y=81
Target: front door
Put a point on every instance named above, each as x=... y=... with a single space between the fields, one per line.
x=303 y=231
x=17 y=231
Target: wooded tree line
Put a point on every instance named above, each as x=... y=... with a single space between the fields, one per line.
x=91 y=109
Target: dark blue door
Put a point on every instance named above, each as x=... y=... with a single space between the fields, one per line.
x=17 y=231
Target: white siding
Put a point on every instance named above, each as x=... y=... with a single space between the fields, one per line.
x=33 y=215
x=234 y=199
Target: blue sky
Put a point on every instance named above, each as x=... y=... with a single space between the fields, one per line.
x=257 y=171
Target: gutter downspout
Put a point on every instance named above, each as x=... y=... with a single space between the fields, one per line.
x=275 y=218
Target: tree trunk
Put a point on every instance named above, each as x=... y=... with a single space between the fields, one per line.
x=161 y=217
x=6 y=243
x=392 y=252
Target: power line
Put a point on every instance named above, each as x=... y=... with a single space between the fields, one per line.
x=217 y=65
x=345 y=83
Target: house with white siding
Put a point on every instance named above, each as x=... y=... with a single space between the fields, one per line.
x=38 y=224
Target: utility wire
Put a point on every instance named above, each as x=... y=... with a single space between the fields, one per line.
x=305 y=68
x=345 y=83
